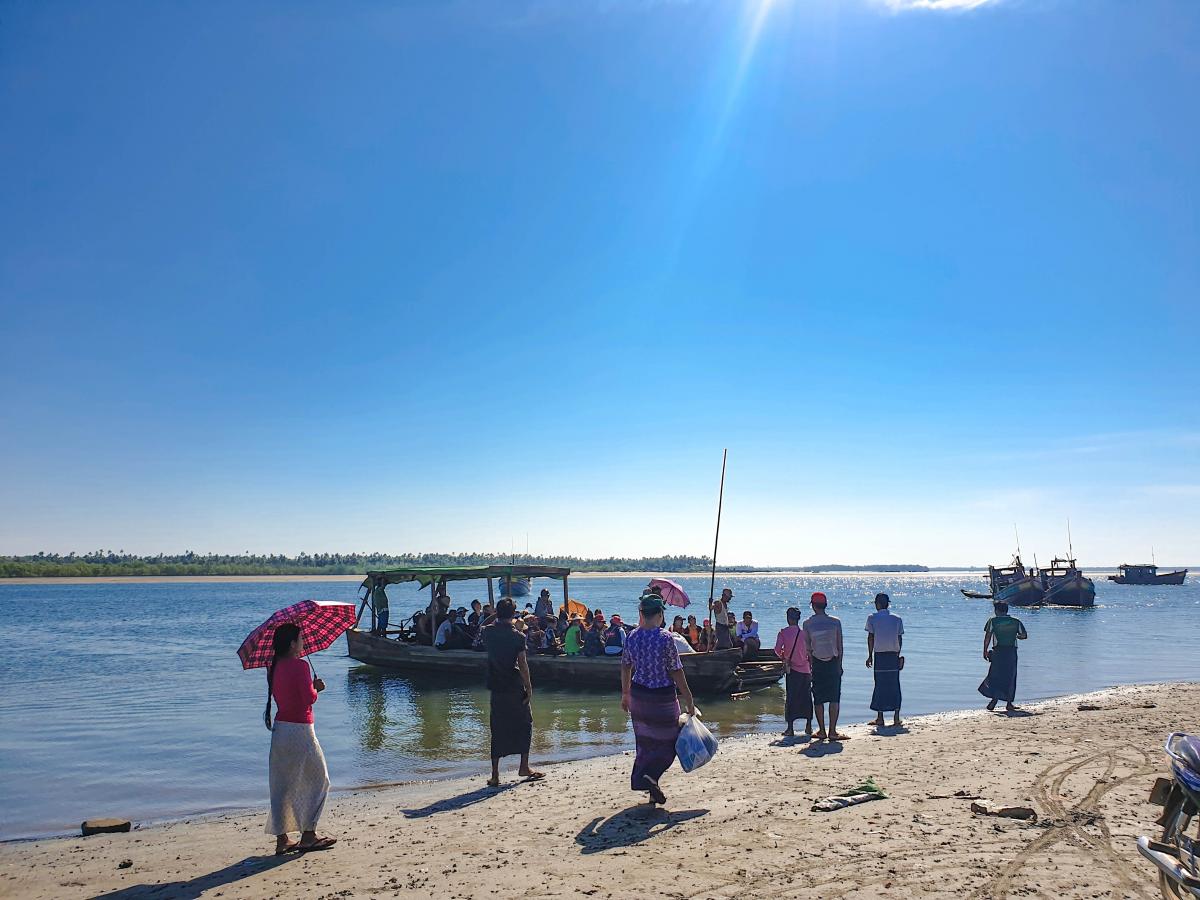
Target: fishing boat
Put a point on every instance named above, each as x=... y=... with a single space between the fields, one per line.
x=1013 y=585
x=1065 y=585
x=1147 y=573
x=513 y=587
x=711 y=673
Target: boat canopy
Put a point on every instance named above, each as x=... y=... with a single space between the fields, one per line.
x=427 y=575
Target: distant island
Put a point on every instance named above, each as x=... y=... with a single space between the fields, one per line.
x=106 y=563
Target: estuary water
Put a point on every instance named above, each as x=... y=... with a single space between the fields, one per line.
x=129 y=700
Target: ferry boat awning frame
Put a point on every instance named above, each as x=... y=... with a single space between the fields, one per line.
x=427 y=575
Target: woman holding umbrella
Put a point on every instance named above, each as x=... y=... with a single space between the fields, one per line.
x=298 y=777
x=652 y=680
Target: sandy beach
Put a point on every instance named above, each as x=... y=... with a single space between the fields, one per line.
x=740 y=827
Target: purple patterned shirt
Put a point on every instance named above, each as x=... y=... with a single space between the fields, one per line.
x=653 y=656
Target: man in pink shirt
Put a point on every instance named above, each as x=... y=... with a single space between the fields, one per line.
x=791 y=646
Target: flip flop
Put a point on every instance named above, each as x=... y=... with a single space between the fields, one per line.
x=534 y=776
x=294 y=845
x=319 y=844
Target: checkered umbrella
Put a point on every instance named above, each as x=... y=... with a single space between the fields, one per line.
x=321 y=623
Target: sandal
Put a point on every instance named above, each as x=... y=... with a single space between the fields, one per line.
x=288 y=848
x=319 y=844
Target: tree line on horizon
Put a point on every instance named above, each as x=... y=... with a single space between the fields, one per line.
x=100 y=563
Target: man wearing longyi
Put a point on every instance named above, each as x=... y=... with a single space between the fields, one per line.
x=825 y=644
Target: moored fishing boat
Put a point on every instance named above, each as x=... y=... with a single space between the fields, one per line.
x=1013 y=585
x=1147 y=573
x=513 y=587
x=715 y=672
x=1065 y=585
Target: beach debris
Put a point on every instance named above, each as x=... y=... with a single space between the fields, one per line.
x=105 y=826
x=988 y=808
x=862 y=792
x=1088 y=707
x=125 y=864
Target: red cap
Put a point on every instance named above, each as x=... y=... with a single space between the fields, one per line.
x=820 y=599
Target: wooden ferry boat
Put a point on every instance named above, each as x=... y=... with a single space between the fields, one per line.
x=715 y=672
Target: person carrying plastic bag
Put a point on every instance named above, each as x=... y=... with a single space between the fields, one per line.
x=651 y=676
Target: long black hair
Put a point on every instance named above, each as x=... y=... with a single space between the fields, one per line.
x=281 y=643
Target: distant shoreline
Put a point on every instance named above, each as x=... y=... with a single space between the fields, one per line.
x=269 y=579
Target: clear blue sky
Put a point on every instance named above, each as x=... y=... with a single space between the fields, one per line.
x=438 y=275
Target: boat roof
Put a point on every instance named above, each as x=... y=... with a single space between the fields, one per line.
x=426 y=575
x=1138 y=566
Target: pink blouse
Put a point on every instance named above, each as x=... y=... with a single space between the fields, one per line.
x=292 y=688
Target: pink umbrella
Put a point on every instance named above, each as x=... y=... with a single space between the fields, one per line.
x=672 y=593
x=321 y=623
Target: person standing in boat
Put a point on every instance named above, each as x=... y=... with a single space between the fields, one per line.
x=298 y=777
x=791 y=646
x=1001 y=633
x=720 y=618
x=511 y=692
x=885 y=638
x=652 y=680
x=379 y=602
x=825 y=644
x=544 y=608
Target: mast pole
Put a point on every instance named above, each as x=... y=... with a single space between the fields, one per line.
x=712 y=583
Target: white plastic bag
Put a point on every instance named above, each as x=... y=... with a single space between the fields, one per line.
x=695 y=745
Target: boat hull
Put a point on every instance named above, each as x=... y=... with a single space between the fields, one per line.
x=1075 y=590
x=517 y=587
x=1026 y=592
x=719 y=672
x=1163 y=578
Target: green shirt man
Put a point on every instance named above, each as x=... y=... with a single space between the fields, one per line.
x=1005 y=630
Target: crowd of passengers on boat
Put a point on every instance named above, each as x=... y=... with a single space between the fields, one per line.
x=567 y=632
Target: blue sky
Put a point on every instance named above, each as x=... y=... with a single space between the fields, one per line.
x=438 y=275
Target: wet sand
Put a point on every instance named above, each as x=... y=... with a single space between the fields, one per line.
x=740 y=827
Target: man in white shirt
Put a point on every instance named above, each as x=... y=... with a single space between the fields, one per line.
x=443 y=632
x=825 y=644
x=747 y=634
x=885 y=638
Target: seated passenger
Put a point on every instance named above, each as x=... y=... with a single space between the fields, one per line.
x=681 y=643
x=421 y=629
x=451 y=634
x=551 y=646
x=534 y=637
x=573 y=642
x=475 y=619
x=677 y=625
x=614 y=638
x=747 y=632
x=593 y=640
x=692 y=632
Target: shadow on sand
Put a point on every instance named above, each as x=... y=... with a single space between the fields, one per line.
x=889 y=730
x=631 y=826
x=462 y=801
x=1017 y=713
x=201 y=884
x=792 y=741
x=822 y=748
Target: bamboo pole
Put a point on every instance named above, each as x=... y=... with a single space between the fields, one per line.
x=712 y=583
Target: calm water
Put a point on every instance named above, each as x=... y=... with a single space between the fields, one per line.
x=129 y=699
